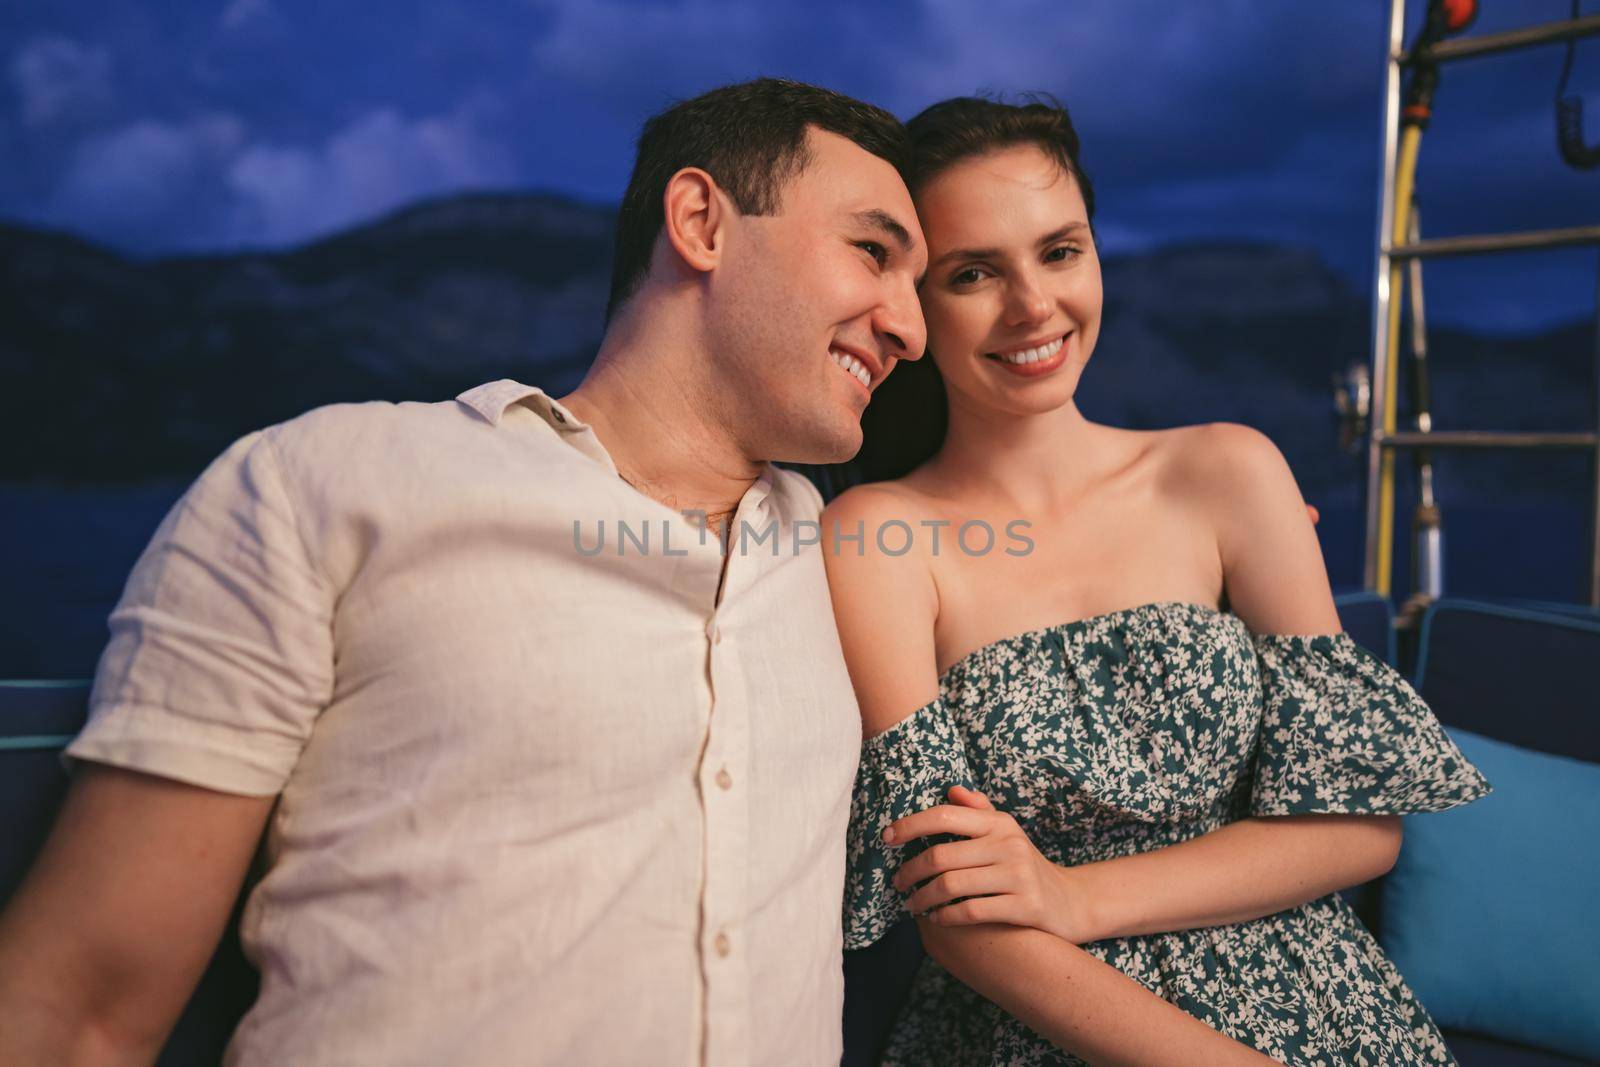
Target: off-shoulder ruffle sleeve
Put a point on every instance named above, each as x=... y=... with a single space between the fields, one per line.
x=907 y=768
x=1344 y=733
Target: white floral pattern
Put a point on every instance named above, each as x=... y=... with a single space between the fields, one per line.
x=1141 y=728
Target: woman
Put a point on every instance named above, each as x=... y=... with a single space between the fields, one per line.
x=1147 y=679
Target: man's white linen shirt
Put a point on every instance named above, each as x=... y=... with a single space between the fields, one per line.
x=538 y=803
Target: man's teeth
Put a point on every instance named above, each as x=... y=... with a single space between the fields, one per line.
x=852 y=365
x=1033 y=355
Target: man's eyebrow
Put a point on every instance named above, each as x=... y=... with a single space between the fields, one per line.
x=993 y=253
x=879 y=219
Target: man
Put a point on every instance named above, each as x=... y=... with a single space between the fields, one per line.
x=524 y=800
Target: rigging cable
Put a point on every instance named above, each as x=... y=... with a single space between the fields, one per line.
x=1569 y=116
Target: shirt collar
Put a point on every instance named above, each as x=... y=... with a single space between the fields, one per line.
x=493 y=398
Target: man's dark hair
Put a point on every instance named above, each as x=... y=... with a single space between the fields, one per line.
x=751 y=138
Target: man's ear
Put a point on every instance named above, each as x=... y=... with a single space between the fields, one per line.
x=696 y=218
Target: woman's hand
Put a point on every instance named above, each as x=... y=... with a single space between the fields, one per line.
x=1004 y=876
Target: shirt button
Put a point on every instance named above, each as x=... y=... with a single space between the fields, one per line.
x=723 y=945
x=724 y=779
x=715 y=633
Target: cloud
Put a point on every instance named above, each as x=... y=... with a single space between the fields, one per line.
x=1154 y=86
x=58 y=78
x=614 y=48
x=206 y=182
x=283 y=193
x=143 y=172
x=241 y=15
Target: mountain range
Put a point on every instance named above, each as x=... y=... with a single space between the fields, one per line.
x=118 y=370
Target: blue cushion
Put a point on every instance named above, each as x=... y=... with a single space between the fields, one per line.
x=1490 y=911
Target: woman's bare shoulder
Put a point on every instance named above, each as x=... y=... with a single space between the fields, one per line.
x=1216 y=460
x=909 y=499
x=884 y=599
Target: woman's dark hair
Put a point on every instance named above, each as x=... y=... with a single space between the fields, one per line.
x=966 y=126
x=750 y=137
x=905 y=423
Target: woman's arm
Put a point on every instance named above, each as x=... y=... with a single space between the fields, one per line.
x=1235 y=481
x=886 y=607
x=1238 y=872
x=1276 y=581
x=1077 y=1003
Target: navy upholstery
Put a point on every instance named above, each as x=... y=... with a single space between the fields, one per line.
x=1369 y=620
x=36 y=721
x=877 y=980
x=1513 y=673
x=1474 y=1051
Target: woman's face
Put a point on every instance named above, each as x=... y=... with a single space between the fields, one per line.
x=1012 y=295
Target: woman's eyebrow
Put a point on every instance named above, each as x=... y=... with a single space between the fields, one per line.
x=1066 y=231
x=994 y=253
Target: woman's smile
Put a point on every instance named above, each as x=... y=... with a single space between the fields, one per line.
x=1032 y=361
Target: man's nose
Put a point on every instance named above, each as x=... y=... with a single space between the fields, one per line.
x=899 y=324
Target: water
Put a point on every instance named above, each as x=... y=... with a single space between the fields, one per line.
x=65 y=554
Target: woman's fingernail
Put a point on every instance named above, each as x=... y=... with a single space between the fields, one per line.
x=888 y=834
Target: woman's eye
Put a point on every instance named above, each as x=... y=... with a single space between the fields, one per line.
x=876 y=251
x=1059 y=253
x=967 y=277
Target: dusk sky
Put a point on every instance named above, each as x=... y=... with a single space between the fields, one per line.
x=180 y=126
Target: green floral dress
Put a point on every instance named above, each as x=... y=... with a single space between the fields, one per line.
x=1138 y=729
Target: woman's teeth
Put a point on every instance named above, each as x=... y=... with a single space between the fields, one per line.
x=852 y=365
x=1032 y=355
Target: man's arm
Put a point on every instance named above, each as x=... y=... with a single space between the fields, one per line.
x=103 y=943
